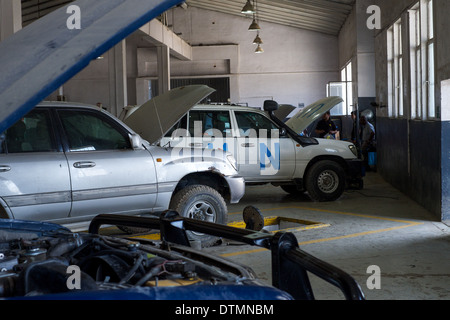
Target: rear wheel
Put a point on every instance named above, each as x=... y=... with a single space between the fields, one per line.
x=202 y=203
x=325 y=181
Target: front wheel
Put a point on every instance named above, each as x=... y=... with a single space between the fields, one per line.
x=325 y=181
x=202 y=203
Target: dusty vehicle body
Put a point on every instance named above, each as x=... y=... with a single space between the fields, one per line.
x=71 y=162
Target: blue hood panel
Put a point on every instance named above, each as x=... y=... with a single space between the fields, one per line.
x=35 y=227
x=40 y=58
x=193 y=292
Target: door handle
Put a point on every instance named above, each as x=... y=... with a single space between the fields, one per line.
x=5 y=168
x=84 y=164
x=248 y=145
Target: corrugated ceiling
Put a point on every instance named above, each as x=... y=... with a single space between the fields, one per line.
x=325 y=16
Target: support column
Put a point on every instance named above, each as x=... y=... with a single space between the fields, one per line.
x=10 y=18
x=163 y=69
x=445 y=151
x=118 y=98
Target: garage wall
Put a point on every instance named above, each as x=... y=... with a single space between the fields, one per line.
x=413 y=155
x=91 y=85
x=295 y=67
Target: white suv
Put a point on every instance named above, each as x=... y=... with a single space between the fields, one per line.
x=266 y=149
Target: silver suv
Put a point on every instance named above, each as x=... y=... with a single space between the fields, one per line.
x=67 y=163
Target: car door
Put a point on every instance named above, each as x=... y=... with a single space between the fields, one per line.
x=203 y=129
x=34 y=175
x=213 y=127
x=107 y=174
x=262 y=154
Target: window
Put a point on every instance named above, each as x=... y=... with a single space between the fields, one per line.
x=422 y=65
x=252 y=124
x=88 y=131
x=202 y=123
x=343 y=89
x=431 y=108
x=415 y=65
x=395 y=70
x=33 y=133
x=211 y=123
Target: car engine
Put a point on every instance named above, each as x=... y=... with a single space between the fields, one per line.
x=33 y=265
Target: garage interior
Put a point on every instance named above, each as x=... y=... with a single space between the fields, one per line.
x=388 y=58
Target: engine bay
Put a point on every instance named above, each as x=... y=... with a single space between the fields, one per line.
x=33 y=266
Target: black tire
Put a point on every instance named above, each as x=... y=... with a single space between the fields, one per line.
x=325 y=181
x=203 y=203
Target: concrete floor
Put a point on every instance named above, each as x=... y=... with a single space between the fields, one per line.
x=375 y=226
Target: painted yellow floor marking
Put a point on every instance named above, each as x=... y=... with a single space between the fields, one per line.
x=312 y=225
x=268 y=221
x=271 y=221
x=150 y=236
x=353 y=235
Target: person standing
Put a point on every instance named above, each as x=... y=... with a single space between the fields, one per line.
x=367 y=134
x=326 y=126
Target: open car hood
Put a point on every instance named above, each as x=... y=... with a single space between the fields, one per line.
x=311 y=113
x=154 y=118
x=41 y=57
x=283 y=111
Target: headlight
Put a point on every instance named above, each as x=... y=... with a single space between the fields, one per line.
x=352 y=148
x=232 y=161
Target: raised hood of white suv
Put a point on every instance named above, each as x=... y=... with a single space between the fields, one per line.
x=155 y=117
x=311 y=113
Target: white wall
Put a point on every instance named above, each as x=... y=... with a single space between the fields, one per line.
x=295 y=67
x=89 y=86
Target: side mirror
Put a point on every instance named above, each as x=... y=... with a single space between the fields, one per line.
x=270 y=106
x=136 y=141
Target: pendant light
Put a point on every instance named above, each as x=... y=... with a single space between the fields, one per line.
x=254 y=26
x=257 y=40
x=259 y=49
x=248 y=8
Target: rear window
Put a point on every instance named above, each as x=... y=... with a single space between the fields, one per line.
x=32 y=133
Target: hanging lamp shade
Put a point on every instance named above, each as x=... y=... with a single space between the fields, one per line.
x=257 y=40
x=248 y=8
x=259 y=49
x=254 y=26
